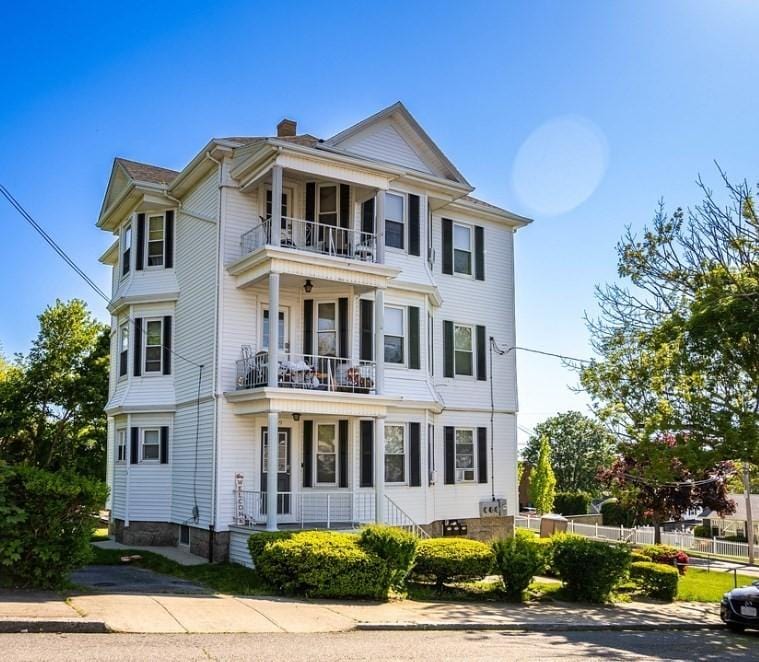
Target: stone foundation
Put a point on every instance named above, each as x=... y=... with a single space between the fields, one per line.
x=158 y=534
x=200 y=539
x=478 y=528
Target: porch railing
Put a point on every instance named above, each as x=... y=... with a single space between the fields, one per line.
x=308 y=372
x=312 y=236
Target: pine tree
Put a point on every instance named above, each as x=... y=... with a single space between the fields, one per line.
x=543 y=483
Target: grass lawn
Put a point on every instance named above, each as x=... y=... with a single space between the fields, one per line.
x=221 y=577
x=702 y=586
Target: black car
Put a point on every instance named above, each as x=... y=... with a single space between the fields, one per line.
x=740 y=608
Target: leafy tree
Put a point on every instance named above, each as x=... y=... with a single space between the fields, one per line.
x=580 y=447
x=52 y=400
x=543 y=481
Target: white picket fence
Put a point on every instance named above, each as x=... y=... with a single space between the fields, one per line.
x=644 y=535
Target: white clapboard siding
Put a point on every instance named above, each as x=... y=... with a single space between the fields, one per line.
x=238 y=547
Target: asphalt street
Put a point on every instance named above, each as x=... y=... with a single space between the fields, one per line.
x=696 y=645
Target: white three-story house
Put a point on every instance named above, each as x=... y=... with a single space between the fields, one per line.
x=386 y=280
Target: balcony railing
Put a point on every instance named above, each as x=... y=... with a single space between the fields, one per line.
x=315 y=237
x=308 y=372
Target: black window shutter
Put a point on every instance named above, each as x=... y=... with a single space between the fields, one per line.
x=308 y=327
x=447 y=246
x=367 y=454
x=169 y=240
x=345 y=206
x=414 y=351
x=342 y=452
x=450 y=455
x=482 y=455
x=310 y=201
x=447 y=349
x=140 y=241
x=413 y=225
x=482 y=370
x=134 y=445
x=167 y=345
x=343 y=350
x=367 y=216
x=137 y=346
x=165 y=444
x=479 y=252
x=415 y=454
x=308 y=458
x=366 y=312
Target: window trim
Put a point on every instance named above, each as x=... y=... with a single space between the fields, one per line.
x=145 y=372
x=280 y=456
x=121 y=434
x=287 y=192
x=153 y=267
x=125 y=265
x=336 y=304
x=404 y=337
x=405 y=454
x=474 y=467
x=316 y=482
x=123 y=331
x=470 y=229
x=318 y=204
x=151 y=460
x=473 y=333
x=264 y=307
x=404 y=197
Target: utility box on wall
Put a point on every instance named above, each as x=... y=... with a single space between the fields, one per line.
x=454 y=527
x=493 y=508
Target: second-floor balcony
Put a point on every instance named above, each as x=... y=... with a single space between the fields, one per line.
x=321 y=238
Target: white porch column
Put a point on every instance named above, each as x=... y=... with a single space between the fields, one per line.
x=276 y=205
x=273 y=329
x=272 y=464
x=379 y=211
x=379 y=470
x=379 y=341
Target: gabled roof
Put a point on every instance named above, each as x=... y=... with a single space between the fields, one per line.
x=144 y=172
x=399 y=115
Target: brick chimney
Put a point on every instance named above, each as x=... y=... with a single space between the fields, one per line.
x=286 y=128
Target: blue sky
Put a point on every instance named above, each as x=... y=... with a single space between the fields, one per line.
x=580 y=114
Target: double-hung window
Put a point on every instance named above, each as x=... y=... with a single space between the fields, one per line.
x=126 y=249
x=156 y=240
x=121 y=445
x=462 y=249
x=395 y=453
x=463 y=350
x=326 y=329
x=326 y=455
x=154 y=346
x=282 y=330
x=394 y=335
x=465 y=470
x=285 y=206
x=151 y=445
x=394 y=220
x=123 y=348
x=328 y=204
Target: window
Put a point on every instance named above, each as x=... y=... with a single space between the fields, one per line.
x=284 y=204
x=430 y=344
x=394 y=333
x=184 y=534
x=462 y=249
x=126 y=249
x=328 y=205
x=464 y=455
x=326 y=455
x=282 y=466
x=282 y=330
x=153 y=346
x=326 y=329
x=151 y=445
x=121 y=445
x=123 y=348
x=395 y=454
x=155 y=239
x=463 y=350
x=394 y=215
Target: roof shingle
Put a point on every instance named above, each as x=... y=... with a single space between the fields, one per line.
x=145 y=172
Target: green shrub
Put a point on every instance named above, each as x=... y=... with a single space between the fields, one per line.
x=518 y=559
x=545 y=546
x=614 y=514
x=258 y=541
x=46 y=520
x=324 y=564
x=656 y=579
x=589 y=569
x=452 y=559
x=572 y=503
x=702 y=531
x=396 y=547
x=667 y=555
x=638 y=557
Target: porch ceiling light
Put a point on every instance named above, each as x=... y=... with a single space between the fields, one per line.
x=308 y=286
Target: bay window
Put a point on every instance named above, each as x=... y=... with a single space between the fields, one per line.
x=395 y=453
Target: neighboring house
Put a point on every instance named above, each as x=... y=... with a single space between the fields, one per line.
x=387 y=280
x=735 y=524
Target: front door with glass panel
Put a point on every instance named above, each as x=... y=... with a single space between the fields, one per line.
x=284 y=505
x=284 y=331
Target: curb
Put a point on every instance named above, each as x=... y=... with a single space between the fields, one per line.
x=52 y=626
x=540 y=627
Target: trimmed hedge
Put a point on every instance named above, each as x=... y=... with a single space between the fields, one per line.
x=614 y=514
x=46 y=520
x=656 y=579
x=394 y=546
x=666 y=555
x=452 y=559
x=518 y=559
x=572 y=503
x=589 y=569
x=258 y=541
x=637 y=557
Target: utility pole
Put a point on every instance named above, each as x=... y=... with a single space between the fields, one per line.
x=749 y=515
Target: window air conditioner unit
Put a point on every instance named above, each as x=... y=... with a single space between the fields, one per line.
x=464 y=475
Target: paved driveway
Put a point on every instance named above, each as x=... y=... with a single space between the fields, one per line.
x=130 y=579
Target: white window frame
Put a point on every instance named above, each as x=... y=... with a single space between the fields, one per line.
x=315 y=327
x=336 y=453
x=147 y=265
x=431 y=345
x=126 y=228
x=123 y=335
x=121 y=446
x=318 y=204
x=472 y=332
x=287 y=193
x=404 y=336
x=470 y=229
x=282 y=457
x=146 y=322
x=284 y=339
x=460 y=471
x=150 y=460
x=404 y=221
x=404 y=429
